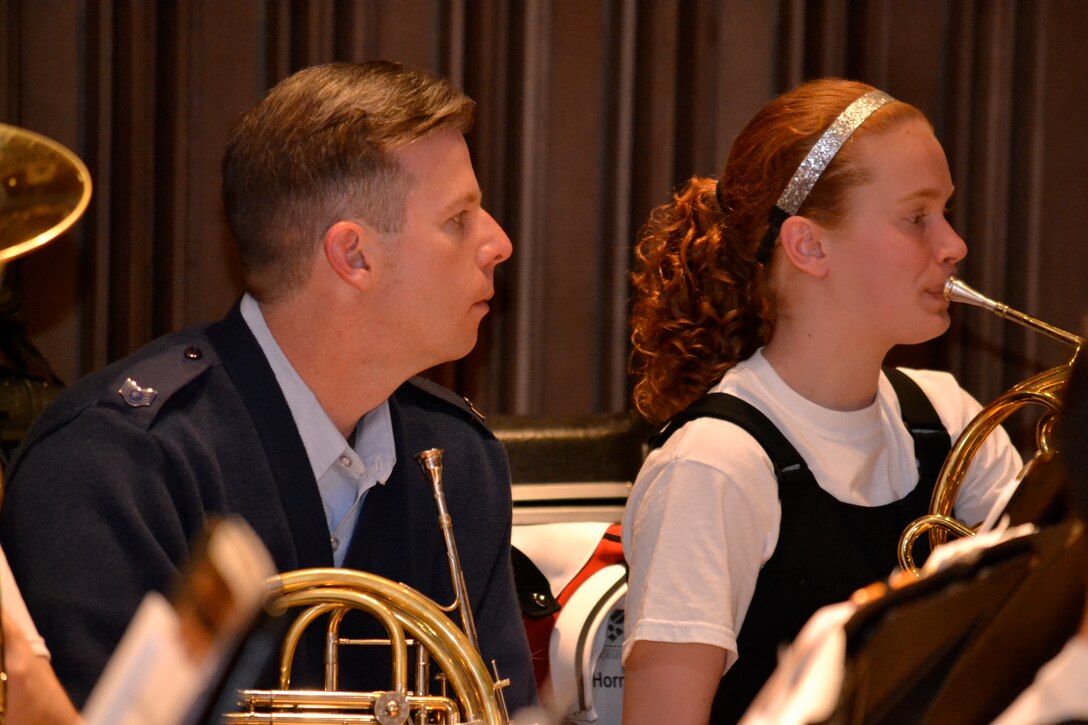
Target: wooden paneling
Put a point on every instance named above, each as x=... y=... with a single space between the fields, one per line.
x=590 y=113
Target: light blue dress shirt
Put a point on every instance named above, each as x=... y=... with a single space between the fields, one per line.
x=344 y=474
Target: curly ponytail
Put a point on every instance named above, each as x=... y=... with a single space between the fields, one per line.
x=699 y=304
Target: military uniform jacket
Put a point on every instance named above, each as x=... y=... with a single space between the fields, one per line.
x=105 y=497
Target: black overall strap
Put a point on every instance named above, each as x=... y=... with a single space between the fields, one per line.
x=784 y=457
x=932 y=443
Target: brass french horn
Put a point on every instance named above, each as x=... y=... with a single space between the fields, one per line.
x=1041 y=389
x=409 y=619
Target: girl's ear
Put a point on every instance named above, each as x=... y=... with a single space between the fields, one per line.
x=802 y=244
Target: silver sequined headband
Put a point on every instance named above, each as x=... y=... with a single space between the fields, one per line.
x=815 y=163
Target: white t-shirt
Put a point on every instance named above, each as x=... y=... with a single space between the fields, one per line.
x=704 y=513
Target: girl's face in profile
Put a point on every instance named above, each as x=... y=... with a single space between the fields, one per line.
x=895 y=247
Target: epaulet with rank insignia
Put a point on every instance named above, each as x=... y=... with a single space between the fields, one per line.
x=432 y=388
x=144 y=386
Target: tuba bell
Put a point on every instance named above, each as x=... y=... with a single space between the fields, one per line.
x=467 y=692
x=1042 y=389
x=44 y=189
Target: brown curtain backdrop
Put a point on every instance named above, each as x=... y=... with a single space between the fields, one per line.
x=590 y=112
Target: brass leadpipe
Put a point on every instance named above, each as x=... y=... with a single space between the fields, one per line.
x=956 y=290
x=431 y=462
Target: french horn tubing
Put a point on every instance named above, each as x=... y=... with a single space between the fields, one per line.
x=409 y=619
x=1040 y=389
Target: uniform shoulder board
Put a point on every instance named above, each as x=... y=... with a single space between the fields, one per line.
x=145 y=384
x=432 y=388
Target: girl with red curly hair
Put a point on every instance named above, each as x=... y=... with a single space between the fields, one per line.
x=783 y=285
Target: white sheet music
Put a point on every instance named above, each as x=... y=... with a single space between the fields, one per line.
x=172 y=652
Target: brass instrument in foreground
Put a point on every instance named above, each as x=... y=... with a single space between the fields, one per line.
x=401 y=610
x=1041 y=389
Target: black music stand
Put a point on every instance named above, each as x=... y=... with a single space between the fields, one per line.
x=960 y=645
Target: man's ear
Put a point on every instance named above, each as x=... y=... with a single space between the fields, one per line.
x=802 y=243
x=348 y=246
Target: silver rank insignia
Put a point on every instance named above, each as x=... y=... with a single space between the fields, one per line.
x=136 y=396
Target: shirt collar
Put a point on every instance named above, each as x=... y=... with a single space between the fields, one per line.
x=374 y=445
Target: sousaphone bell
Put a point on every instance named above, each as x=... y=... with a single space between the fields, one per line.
x=44 y=189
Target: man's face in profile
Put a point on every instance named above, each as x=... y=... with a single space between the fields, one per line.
x=442 y=261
